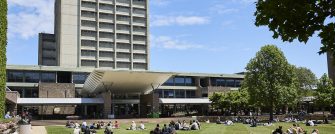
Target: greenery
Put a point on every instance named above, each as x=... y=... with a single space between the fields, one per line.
x=307 y=80
x=3 y=59
x=270 y=80
x=233 y=101
x=153 y=115
x=292 y=20
x=207 y=129
x=325 y=92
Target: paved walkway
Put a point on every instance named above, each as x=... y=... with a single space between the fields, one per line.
x=39 y=130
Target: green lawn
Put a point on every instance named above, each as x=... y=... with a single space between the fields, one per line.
x=208 y=129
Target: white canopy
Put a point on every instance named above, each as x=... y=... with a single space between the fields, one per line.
x=59 y=101
x=119 y=81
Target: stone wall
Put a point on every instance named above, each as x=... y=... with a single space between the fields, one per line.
x=149 y=103
x=57 y=90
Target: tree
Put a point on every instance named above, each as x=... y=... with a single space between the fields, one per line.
x=270 y=80
x=307 y=80
x=3 y=59
x=324 y=95
x=299 y=19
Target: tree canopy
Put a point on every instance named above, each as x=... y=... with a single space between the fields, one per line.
x=307 y=81
x=270 y=80
x=3 y=59
x=325 y=92
x=299 y=19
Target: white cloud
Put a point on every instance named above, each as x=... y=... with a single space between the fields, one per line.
x=167 y=42
x=160 y=2
x=27 y=18
x=178 y=20
x=221 y=9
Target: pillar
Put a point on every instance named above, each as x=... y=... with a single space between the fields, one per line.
x=107 y=104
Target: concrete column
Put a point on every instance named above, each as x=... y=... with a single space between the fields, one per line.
x=85 y=110
x=107 y=104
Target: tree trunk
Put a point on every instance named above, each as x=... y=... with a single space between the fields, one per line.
x=271 y=112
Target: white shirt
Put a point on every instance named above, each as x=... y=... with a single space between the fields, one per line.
x=142 y=126
x=76 y=131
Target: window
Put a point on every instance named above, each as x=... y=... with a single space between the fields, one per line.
x=104 y=44
x=189 y=81
x=169 y=82
x=238 y=83
x=32 y=77
x=106 y=64
x=79 y=78
x=179 y=81
x=88 y=53
x=88 y=63
x=14 y=76
x=168 y=94
x=48 y=77
x=106 y=54
x=180 y=93
x=159 y=92
x=220 y=82
x=190 y=94
x=230 y=83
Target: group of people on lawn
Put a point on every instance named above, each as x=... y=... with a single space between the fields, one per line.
x=85 y=128
x=173 y=126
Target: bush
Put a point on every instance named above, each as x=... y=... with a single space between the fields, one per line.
x=153 y=115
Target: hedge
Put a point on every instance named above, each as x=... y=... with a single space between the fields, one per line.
x=3 y=59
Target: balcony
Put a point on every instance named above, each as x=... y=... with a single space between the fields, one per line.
x=139 y=4
x=107 y=1
x=123 y=2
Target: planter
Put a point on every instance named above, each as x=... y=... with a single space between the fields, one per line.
x=25 y=129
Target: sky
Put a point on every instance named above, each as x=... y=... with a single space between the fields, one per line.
x=212 y=36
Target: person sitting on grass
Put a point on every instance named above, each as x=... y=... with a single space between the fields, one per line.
x=83 y=126
x=116 y=125
x=109 y=129
x=300 y=130
x=194 y=126
x=198 y=123
x=132 y=126
x=76 y=130
x=178 y=125
x=171 y=129
x=92 y=126
x=268 y=124
x=279 y=130
x=310 y=123
x=229 y=123
x=185 y=126
x=157 y=130
x=315 y=131
x=292 y=130
x=165 y=129
x=141 y=127
x=87 y=130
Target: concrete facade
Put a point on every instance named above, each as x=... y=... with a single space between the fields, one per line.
x=64 y=90
x=102 y=33
x=47 y=50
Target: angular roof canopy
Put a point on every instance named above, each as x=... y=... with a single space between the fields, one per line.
x=119 y=81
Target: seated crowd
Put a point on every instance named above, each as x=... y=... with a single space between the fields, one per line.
x=85 y=128
x=173 y=126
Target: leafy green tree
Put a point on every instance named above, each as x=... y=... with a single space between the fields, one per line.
x=307 y=80
x=270 y=80
x=237 y=100
x=218 y=101
x=324 y=95
x=299 y=19
x=3 y=59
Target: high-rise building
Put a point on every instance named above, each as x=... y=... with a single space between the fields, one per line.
x=47 y=49
x=102 y=33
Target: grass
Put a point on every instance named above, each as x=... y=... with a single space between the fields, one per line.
x=207 y=129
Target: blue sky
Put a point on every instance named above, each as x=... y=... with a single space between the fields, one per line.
x=212 y=36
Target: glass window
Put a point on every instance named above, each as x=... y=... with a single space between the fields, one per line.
x=169 y=82
x=213 y=81
x=179 y=81
x=189 y=81
x=48 y=77
x=238 y=83
x=230 y=83
x=180 y=93
x=159 y=92
x=79 y=78
x=14 y=76
x=33 y=77
x=220 y=82
x=168 y=94
x=190 y=94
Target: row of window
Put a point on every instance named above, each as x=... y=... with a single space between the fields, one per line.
x=110 y=35
x=169 y=93
x=121 y=65
x=47 y=77
x=180 y=81
x=223 y=82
